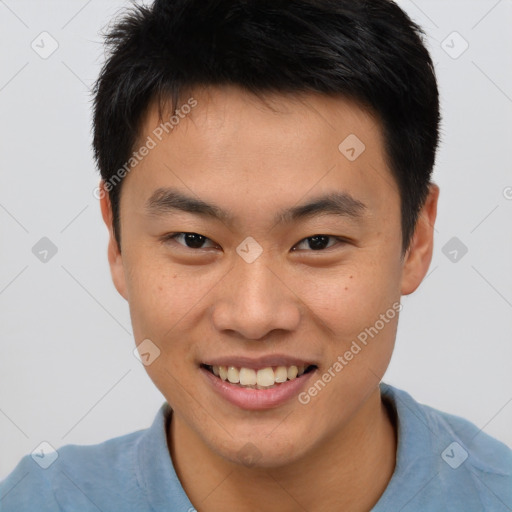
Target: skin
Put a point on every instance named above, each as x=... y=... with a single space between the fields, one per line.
x=338 y=451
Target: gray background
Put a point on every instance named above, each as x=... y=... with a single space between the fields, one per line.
x=67 y=371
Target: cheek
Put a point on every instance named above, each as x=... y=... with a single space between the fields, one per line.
x=350 y=298
x=164 y=308
x=166 y=300
x=159 y=297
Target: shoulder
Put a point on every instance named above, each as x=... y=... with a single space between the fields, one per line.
x=469 y=442
x=485 y=452
x=458 y=463
x=75 y=477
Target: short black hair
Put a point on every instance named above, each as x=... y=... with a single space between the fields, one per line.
x=369 y=51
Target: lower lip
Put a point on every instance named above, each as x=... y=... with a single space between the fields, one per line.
x=257 y=399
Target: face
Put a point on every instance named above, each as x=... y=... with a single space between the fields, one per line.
x=262 y=240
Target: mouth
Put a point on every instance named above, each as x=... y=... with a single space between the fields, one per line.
x=264 y=378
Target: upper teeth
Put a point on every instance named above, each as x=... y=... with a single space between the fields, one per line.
x=263 y=378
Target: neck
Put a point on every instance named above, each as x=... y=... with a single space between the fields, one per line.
x=348 y=471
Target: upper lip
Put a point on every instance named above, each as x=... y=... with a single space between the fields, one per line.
x=258 y=362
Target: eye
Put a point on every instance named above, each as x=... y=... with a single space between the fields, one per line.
x=318 y=242
x=190 y=240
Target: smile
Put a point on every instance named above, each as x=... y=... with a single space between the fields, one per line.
x=263 y=378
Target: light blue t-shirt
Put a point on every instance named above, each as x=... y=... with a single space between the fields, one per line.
x=444 y=463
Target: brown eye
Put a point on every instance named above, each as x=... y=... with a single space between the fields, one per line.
x=317 y=242
x=191 y=240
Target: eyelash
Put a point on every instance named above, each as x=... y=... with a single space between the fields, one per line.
x=174 y=236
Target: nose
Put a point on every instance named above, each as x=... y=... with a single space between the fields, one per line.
x=255 y=300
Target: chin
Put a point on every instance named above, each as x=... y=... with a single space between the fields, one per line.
x=263 y=452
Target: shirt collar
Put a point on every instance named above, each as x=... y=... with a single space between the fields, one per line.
x=423 y=435
x=154 y=468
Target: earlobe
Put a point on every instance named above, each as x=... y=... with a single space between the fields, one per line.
x=115 y=258
x=419 y=255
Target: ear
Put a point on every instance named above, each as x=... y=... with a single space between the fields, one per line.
x=115 y=258
x=419 y=254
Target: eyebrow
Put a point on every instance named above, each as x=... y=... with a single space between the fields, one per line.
x=169 y=200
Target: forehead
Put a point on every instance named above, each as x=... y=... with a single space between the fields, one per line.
x=227 y=143
x=223 y=110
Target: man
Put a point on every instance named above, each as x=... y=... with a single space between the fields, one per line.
x=266 y=182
